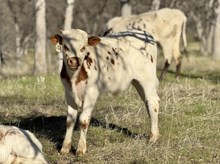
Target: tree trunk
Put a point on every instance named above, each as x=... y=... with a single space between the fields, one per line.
x=40 y=66
x=216 y=47
x=69 y=14
x=17 y=36
x=155 y=5
x=125 y=8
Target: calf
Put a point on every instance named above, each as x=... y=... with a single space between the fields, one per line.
x=166 y=26
x=92 y=65
x=19 y=146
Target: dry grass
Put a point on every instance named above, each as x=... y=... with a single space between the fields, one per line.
x=189 y=118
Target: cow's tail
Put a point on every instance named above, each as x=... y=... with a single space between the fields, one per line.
x=184 y=36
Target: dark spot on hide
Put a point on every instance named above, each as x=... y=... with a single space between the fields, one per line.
x=113 y=61
x=151 y=58
x=82 y=75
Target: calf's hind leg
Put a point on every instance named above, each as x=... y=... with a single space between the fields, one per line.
x=148 y=93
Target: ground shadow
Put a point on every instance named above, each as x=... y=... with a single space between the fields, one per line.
x=213 y=77
x=54 y=127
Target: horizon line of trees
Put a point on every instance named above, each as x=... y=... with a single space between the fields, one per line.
x=27 y=24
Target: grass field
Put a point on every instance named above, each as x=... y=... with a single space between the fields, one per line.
x=189 y=118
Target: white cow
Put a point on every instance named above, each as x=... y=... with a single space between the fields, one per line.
x=92 y=65
x=166 y=26
x=19 y=146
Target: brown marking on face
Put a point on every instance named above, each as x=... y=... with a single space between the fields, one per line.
x=82 y=49
x=113 y=61
x=151 y=59
x=56 y=39
x=82 y=75
x=93 y=40
x=144 y=25
x=88 y=60
x=73 y=62
x=64 y=74
x=107 y=58
x=109 y=53
x=95 y=68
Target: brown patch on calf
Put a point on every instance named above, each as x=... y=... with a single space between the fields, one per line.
x=114 y=50
x=93 y=40
x=56 y=39
x=88 y=60
x=82 y=75
x=113 y=61
x=84 y=125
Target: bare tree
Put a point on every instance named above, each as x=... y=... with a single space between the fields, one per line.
x=69 y=14
x=216 y=39
x=155 y=5
x=125 y=8
x=40 y=66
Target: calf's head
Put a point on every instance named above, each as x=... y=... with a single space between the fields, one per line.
x=72 y=44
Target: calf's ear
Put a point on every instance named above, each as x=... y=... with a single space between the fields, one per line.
x=56 y=39
x=93 y=40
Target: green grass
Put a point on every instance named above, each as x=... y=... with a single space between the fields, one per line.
x=189 y=118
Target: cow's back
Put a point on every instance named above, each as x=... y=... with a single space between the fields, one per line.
x=163 y=23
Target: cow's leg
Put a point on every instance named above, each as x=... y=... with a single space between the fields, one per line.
x=165 y=69
x=70 y=122
x=88 y=105
x=148 y=93
x=178 y=66
x=168 y=54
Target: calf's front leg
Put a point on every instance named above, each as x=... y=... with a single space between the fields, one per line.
x=70 y=123
x=84 y=119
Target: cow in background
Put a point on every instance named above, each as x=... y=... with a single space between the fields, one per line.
x=166 y=25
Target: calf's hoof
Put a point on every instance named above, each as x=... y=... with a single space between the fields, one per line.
x=80 y=152
x=153 y=138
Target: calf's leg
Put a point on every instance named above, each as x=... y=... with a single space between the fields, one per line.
x=84 y=119
x=148 y=93
x=70 y=123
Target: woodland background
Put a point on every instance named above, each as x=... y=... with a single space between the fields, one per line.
x=24 y=43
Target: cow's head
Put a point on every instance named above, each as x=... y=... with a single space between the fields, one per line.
x=72 y=44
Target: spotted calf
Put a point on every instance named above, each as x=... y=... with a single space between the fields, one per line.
x=93 y=65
